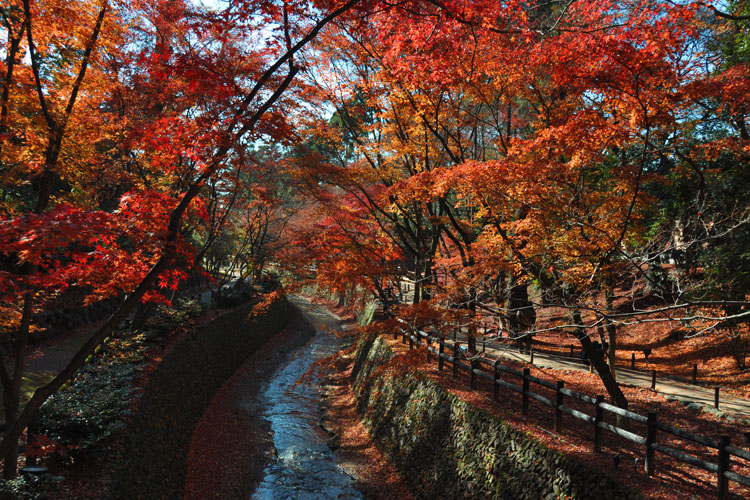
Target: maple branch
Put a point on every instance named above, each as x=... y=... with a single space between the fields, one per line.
x=287 y=37
x=4 y=377
x=266 y=76
x=84 y=63
x=14 y=42
x=462 y=20
x=725 y=15
x=51 y=123
x=43 y=393
x=562 y=14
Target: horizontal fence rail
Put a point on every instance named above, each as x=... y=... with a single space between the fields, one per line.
x=460 y=360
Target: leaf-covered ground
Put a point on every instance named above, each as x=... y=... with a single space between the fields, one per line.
x=672 y=481
x=674 y=351
x=376 y=478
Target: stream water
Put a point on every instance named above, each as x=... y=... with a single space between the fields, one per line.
x=304 y=467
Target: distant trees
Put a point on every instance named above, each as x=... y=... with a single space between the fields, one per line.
x=595 y=151
x=115 y=116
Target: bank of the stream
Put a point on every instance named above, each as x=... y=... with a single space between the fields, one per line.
x=262 y=436
x=153 y=462
x=447 y=448
x=232 y=442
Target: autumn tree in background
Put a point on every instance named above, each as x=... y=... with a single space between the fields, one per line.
x=111 y=127
x=566 y=145
x=257 y=212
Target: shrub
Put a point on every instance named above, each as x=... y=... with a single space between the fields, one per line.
x=90 y=408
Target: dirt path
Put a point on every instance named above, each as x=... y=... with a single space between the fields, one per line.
x=701 y=397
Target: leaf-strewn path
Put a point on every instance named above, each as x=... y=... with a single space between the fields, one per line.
x=669 y=387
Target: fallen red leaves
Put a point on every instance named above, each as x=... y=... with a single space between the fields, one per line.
x=672 y=480
x=376 y=477
x=673 y=352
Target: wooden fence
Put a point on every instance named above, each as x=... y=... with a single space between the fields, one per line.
x=498 y=374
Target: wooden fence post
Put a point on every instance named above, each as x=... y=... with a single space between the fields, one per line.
x=653 y=380
x=525 y=392
x=456 y=356
x=722 y=483
x=495 y=385
x=650 y=440
x=695 y=372
x=474 y=365
x=716 y=397
x=558 y=404
x=440 y=356
x=598 y=417
x=632 y=361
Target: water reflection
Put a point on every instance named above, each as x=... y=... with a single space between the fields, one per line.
x=304 y=468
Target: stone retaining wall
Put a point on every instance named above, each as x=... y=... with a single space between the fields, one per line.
x=447 y=448
x=153 y=463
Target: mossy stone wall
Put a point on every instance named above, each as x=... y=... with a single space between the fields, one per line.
x=447 y=448
x=178 y=392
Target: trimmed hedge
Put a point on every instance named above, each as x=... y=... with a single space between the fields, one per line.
x=447 y=448
x=179 y=391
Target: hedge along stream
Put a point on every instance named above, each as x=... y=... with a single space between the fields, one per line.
x=447 y=448
x=178 y=392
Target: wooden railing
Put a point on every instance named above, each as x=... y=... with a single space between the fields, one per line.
x=496 y=373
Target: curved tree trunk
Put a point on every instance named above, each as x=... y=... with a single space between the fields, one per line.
x=597 y=361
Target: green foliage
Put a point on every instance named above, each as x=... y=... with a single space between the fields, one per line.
x=22 y=489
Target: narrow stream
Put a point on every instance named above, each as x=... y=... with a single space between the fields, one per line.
x=304 y=467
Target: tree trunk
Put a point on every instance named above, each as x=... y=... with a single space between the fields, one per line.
x=520 y=313
x=471 y=335
x=420 y=274
x=597 y=361
x=12 y=387
x=611 y=331
x=142 y=313
x=10 y=459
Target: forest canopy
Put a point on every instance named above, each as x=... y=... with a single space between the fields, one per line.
x=503 y=156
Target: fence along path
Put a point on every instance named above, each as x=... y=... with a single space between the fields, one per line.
x=721 y=449
x=669 y=386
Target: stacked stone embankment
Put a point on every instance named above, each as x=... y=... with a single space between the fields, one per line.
x=447 y=448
